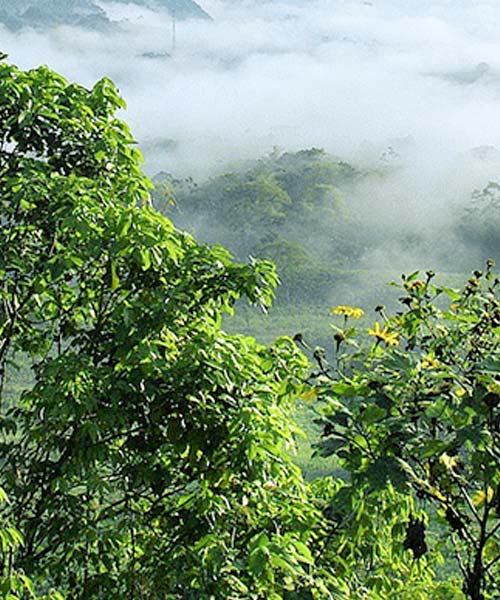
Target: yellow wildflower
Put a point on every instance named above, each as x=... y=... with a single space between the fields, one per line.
x=348 y=311
x=384 y=335
x=429 y=362
x=460 y=392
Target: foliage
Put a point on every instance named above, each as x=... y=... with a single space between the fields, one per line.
x=14 y=584
x=149 y=457
x=367 y=544
x=148 y=453
x=418 y=410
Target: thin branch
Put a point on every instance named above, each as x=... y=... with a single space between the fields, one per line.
x=468 y=499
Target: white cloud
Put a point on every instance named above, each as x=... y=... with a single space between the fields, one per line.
x=327 y=73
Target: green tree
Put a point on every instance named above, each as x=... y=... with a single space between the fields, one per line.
x=149 y=457
x=479 y=225
x=418 y=410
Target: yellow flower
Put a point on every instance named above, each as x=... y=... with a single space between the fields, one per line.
x=348 y=311
x=416 y=285
x=384 y=335
x=429 y=362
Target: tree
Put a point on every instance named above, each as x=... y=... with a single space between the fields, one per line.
x=479 y=225
x=149 y=455
x=418 y=410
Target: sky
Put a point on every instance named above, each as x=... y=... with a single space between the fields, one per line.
x=353 y=77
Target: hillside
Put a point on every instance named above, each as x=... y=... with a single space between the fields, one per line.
x=47 y=13
x=81 y=13
x=265 y=209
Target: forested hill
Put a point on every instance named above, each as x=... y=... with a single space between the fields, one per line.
x=310 y=213
x=82 y=13
x=287 y=207
x=46 y=13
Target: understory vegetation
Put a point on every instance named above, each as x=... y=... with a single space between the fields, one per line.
x=148 y=441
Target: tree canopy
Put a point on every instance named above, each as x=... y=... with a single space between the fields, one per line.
x=147 y=454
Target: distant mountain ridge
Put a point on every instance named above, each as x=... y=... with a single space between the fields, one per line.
x=16 y=14
x=184 y=9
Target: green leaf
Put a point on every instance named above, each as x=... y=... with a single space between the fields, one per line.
x=372 y=414
x=304 y=554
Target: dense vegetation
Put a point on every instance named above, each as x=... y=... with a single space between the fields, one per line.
x=419 y=409
x=148 y=454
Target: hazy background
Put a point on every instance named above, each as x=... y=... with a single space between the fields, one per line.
x=348 y=76
x=415 y=83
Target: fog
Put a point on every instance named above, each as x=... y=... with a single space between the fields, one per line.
x=341 y=75
x=421 y=77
